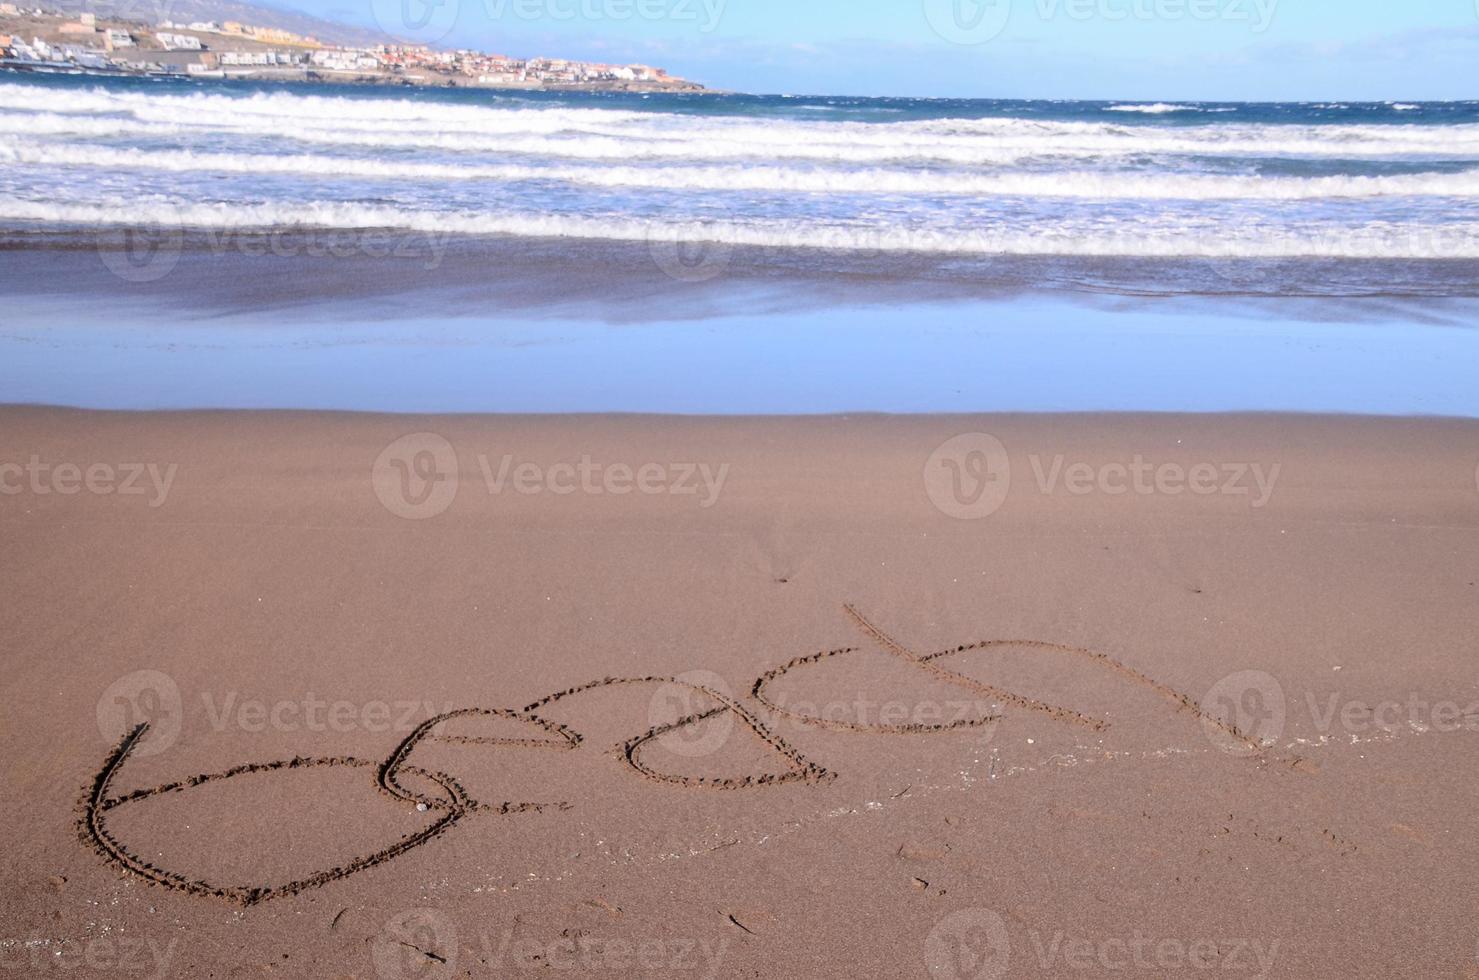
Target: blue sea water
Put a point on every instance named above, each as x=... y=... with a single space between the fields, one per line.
x=970 y=178
x=1304 y=257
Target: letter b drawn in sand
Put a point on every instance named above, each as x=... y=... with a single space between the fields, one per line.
x=415 y=477
x=144 y=697
x=972 y=944
x=1248 y=705
x=968 y=477
x=417 y=945
x=969 y=22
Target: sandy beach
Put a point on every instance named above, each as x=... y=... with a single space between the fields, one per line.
x=936 y=696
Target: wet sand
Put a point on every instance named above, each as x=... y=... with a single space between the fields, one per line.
x=1040 y=353
x=1215 y=711
x=375 y=274
x=375 y=321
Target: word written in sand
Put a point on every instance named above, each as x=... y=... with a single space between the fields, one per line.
x=451 y=804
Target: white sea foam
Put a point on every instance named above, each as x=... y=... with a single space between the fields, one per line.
x=798 y=143
x=1203 y=185
x=1085 y=184
x=1154 y=109
x=1146 y=239
x=616 y=134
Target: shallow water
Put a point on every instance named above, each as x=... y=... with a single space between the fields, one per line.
x=1014 y=354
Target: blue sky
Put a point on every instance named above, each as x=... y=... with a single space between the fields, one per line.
x=1112 y=49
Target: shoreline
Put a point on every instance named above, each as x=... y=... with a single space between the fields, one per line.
x=420 y=323
x=184 y=265
x=533 y=329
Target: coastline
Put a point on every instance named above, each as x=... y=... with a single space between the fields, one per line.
x=248 y=53
x=366 y=79
x=284 y=571
x=410 y=323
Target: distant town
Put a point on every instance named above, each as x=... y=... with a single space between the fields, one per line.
x=37 y=40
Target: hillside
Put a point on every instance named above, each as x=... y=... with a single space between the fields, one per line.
x=186 y=11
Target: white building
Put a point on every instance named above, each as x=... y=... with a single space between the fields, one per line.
x=241 y=59
x=119 y=39
x=178 y=42
x=345 y=60
x=85 y=57
x=256 y=59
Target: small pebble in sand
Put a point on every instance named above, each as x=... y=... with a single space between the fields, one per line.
x=420 y=807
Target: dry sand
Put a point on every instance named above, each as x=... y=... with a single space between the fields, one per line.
x=1169 y=770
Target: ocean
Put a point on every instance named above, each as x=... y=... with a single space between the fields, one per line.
x=169 y=244
x=1350 y=198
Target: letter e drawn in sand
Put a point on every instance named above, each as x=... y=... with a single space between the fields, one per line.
x=449 y=804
